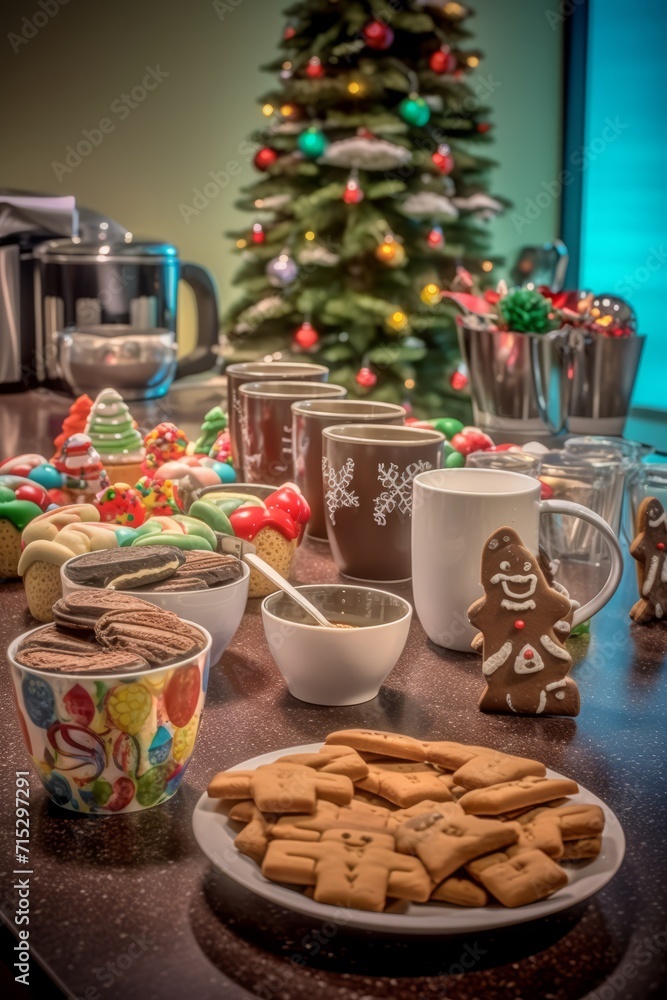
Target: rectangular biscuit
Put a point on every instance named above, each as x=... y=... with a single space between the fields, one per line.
x=529 y=791
x=524 y=878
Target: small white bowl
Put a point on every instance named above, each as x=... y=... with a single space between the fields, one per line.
x=218 y=609
x=332 y=666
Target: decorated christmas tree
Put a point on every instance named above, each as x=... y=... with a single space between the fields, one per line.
x=372 y=199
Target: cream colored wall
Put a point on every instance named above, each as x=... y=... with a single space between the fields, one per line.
x=75 y=70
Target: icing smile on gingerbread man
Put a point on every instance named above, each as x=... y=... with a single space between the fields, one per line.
x=528 y=581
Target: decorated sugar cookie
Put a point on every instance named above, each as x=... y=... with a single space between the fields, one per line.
x=524 y=622
x=649 y=549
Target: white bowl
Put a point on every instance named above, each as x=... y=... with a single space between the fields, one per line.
x=332 y=666
x=219 y=609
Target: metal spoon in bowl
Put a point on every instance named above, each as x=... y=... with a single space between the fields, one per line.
x=246 y=551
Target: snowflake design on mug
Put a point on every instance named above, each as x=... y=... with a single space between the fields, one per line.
x=338 y=493
x=397 y=489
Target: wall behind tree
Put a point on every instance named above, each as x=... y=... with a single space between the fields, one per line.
x=176 y=84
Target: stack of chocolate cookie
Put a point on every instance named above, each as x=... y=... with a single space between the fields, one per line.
x=376 y=817
x=103 y=631
x=154 y=568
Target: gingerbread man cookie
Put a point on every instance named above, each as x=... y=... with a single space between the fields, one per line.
x=649 y=549
x=524 y=622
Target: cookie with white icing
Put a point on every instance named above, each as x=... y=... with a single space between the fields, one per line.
x=649 y=549
x=521 y=618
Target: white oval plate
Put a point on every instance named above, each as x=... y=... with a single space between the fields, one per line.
x=215 y=835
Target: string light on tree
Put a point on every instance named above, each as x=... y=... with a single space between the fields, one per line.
x=267 y=110
x=282 y=270
x=312 y=142
x=241 y=244
x=442 y=159
x=314 y=68
x=264 y=158
x=442 y=60
x=353 y=193
x=306 y=337
x=377 y=35
x=472 y=61
x=487 y=265
x=390 y=251
x=365 y=378
x=459 y=378
x=455 y=10
x=289 y=111
x=310 y=236
x=258 y=233
x=436 y=238
x=397 y=321
x=430 y=294
x=414 y=110
x=286 y=71
x=355 y=87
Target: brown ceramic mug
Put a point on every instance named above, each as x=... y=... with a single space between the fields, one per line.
x=309 y=418
x=367 y=472
x=266 y=426
x=261 y=371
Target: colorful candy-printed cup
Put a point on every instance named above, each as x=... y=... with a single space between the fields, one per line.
x=111 y=743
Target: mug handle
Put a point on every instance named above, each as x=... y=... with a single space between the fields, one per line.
x=616 y=570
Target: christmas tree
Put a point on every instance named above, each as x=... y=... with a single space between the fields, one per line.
x=372 y=199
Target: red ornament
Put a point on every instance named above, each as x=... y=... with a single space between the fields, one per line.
x=528 y=655
x=483 y=127
x=442 y=60
x=265 y=158
x=458 y=381
x=519 y=624
x=353 y=192
x=258 y=233
x=660 y=546
x=443 y=159
x=306 y=337
x=436 y=237
x=365 y=378
x=315 y=69
x=289 y=32
x=378 y=35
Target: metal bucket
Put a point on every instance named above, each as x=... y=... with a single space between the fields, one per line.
x=518 y=381
x=603 y=376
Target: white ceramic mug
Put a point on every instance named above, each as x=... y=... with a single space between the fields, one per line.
x=453 y=513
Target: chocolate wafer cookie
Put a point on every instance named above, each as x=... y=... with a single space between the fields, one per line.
x=54 y=650
x=124 y=569
x=82 y=608
x=159 y=636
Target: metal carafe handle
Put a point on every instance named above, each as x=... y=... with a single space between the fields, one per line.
x=203 y=356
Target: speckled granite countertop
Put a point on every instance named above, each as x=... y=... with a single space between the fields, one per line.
x=127 y=906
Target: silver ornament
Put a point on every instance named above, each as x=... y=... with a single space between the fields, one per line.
x=282 y=270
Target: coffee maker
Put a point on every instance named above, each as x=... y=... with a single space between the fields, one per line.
x=96 y=307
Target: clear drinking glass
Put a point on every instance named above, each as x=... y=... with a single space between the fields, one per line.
x=506 y=461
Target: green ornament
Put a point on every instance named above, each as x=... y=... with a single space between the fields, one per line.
x=448 y=426
x=455 y=460
x=524 y=310
x=414 y=110
x=312 y=142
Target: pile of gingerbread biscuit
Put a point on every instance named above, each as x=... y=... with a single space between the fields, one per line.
x=376 y=819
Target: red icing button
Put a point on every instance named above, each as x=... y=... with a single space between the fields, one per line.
x=660 y=546
x=528 y=655
x=519 y=624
